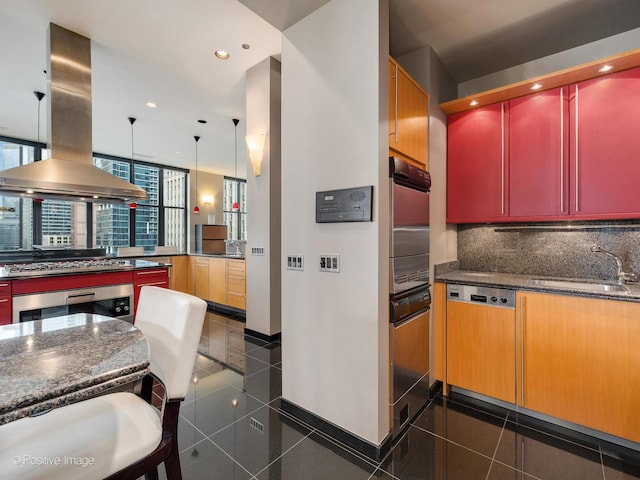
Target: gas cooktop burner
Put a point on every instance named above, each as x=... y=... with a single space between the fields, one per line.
x=63 y=266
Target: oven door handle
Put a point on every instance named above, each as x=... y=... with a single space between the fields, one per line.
x=79 y=297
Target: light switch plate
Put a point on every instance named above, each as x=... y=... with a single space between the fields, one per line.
x=257 y=250
x=330 y=262
x=295 y=262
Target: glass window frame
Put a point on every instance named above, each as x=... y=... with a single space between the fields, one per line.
x=239 y=217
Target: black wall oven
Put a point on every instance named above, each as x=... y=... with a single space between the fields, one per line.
x=111 y=300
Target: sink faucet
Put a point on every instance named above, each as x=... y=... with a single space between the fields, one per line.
x=623 y=277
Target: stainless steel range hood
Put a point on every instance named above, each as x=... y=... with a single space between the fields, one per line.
x=70 y=173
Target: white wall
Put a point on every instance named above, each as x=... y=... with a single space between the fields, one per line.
x=263 y=200
x=334 y=135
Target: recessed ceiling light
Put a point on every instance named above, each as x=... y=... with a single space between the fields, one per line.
x=246 y=46
x=222 y=54
x=536 y=86
x=605 y=68
x=202 y=121
x=473 y=103
x=151 y=104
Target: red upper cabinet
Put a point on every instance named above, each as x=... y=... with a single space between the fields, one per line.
x=477 y=168
x=605 y=146
x=539 y=155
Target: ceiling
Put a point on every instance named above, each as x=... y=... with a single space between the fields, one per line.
x=162 y=51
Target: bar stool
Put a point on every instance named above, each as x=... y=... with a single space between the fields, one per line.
x=118 y=435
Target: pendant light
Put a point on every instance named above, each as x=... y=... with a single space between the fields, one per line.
x=132 y=120
x=195 y=208
x=39 y=96
x=236 y=205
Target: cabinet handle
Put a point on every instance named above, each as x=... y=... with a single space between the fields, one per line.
x=561 y=152
x=4 y=284
x=502 y=158
x=576 y=148
x=151 y=272
x=395 y=117
x=152 y=283
x=4 y=300
x=522 y=322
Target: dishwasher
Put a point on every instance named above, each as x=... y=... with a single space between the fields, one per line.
x=481 y=340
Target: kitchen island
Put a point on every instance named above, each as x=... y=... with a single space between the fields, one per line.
x=56 y=361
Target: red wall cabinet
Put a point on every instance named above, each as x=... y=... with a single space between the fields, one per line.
x=569 y=153
x=477 y=168
x=605 y=154
x=158 y=277
x=539 y=155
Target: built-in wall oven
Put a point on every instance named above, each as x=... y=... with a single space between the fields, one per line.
x=409 y=294
x=110 y=300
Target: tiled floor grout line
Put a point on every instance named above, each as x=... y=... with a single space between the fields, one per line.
x=283 y=453
x=495 y=451
x=604 y=473
x=348 y=449
x=452 y=442
x=233 y=459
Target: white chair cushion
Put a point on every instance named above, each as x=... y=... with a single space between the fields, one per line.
x=91 y=439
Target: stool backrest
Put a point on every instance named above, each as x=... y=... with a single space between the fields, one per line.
x=172 y=323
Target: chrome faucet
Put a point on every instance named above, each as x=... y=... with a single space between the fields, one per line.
x=623 y=277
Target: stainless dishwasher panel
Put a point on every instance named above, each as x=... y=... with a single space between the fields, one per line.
x=409 y=368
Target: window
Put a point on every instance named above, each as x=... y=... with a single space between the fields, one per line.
x=158 y=220
x=235 y=190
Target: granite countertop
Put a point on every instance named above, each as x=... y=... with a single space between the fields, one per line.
x=524 y=282
x=127 y=265
x=219 y=255
x=56 y=361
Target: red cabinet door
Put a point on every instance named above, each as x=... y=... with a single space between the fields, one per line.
x=539 y=155
x=5 y=302
x=605 y=155
x=477 y=167
x=158 y=277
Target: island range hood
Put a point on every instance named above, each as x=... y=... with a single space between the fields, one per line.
x=69 y=174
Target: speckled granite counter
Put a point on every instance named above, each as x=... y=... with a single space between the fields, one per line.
x=48 y=363
x=524 y=282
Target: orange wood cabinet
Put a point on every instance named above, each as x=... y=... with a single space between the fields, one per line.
x=217 y=280
x=236 y=284
x=439 y=331
x=481 y=350
x=578 y=360
x=179 y=273
x=408 y=117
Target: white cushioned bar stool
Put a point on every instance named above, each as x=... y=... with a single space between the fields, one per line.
x=118 y=435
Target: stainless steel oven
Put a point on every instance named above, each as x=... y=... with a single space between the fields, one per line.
x=111 y=300
x=409 y=294
x=409 y=252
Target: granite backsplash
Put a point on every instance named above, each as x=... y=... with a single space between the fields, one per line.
x=550 y=249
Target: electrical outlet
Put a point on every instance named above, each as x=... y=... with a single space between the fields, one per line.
x=257 y=250
x=295 y=262
x=330 y=262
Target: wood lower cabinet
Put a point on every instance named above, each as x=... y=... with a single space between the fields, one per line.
x=217 y=280
x=578 y=360
x=220 y=280
x=179 y=273
x=480 y=349
x=236 y=284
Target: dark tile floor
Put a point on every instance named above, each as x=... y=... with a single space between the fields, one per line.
x=231 y=428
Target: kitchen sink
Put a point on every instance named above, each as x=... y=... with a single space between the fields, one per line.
x=580 y=285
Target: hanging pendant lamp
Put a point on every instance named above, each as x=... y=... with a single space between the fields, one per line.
x=39 y=96
x=195 y=208
x=236 y=205
x=132 y=120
